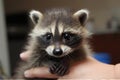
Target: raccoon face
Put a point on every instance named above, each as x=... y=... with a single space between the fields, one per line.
x=59 y=32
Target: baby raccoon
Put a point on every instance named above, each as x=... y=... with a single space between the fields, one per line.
x=58 y=40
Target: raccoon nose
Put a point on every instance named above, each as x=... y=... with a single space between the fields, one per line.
x=57 y=52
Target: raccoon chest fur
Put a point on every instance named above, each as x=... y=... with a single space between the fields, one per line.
x=58 y=40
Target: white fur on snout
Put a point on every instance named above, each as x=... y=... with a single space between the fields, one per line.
x=66 y=50
x=50 y=49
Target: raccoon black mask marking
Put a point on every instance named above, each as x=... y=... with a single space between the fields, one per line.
x=58 y=40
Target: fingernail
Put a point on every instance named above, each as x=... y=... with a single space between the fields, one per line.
x=26 y=74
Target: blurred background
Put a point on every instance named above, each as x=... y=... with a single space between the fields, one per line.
x=15 y=23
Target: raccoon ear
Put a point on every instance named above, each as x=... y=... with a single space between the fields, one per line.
x=81 y=15
x=35 y=16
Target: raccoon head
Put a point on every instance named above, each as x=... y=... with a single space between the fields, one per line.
x=58 y=31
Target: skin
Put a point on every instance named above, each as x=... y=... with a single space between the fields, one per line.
x=87 y=69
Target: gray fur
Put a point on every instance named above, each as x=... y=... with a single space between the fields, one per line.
x=39 y=56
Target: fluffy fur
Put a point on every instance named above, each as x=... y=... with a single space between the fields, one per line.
x=56 y=29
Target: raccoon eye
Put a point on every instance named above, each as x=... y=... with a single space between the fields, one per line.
x=48 y=36
x=67 y=36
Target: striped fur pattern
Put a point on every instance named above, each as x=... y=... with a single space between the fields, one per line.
x=58 y=40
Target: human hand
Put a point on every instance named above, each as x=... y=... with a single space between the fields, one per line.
x=87 y=69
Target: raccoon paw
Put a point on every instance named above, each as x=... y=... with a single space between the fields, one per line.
x=59 y=69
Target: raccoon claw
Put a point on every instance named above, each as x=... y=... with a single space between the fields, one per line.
x=59 y=69
x=52 y=69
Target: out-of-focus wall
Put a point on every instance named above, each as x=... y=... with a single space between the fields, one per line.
x=100 y=10
x=4 y=57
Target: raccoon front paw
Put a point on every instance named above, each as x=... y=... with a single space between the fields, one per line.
x=59 y=69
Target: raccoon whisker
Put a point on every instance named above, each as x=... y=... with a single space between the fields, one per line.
x=69 y=57
x=65 y=49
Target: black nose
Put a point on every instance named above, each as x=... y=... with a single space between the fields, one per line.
x=57 y=52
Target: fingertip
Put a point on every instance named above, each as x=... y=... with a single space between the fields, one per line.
x=25 y=55
x=27 y=74
x=21 y=55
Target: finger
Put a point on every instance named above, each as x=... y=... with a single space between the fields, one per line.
x=39 y=73
x=25 y=55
